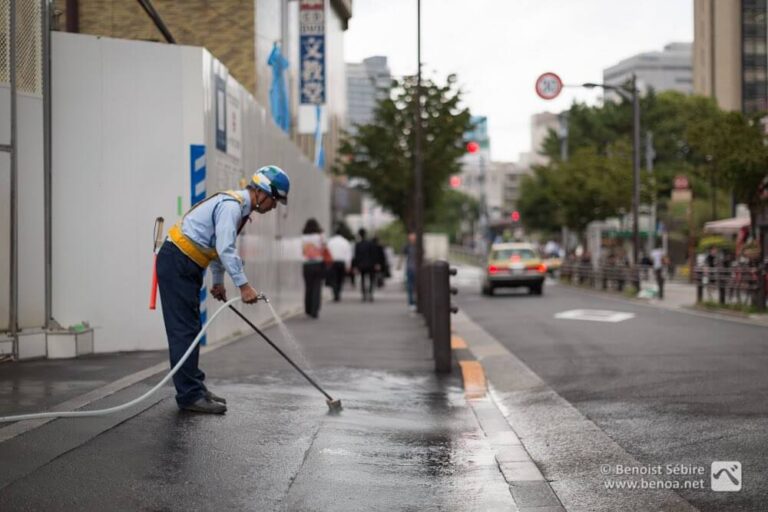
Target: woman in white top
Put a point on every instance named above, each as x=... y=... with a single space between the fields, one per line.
x=314 y=250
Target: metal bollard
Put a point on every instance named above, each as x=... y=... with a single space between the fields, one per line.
x=429 y=298
x=441 y=327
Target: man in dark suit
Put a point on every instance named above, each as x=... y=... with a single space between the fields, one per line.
x=366 y=262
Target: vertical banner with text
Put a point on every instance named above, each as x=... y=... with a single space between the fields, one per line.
x=312 y=52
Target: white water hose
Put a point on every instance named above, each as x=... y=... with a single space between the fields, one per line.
x=111 y=410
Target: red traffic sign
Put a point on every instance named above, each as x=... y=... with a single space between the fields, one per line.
x=681 y=182
x=548 y=86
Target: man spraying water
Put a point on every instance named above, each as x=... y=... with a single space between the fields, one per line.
x=206 y=236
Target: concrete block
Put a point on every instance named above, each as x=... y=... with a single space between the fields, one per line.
x=67 y=344
x=32 y=345
x=512 y=454
x=6 y=346
x=61 y=345
x=533 y=494
x=514 y=471
x=84 y=342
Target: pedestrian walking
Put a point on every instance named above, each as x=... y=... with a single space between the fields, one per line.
x=341 y=256
x=315 y=255
x=381 y=261
x=206 y=235
x=409 y=255
x=365 y=262
x=659 y=260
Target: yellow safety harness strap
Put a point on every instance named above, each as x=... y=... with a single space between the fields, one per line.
x=200 y=255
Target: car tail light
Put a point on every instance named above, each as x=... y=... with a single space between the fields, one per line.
x=542 y=268
x=492 y=269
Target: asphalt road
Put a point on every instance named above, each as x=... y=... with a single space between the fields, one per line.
x=667 y=386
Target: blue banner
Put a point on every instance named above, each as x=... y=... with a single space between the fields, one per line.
x=197 y=168
x=312 y=52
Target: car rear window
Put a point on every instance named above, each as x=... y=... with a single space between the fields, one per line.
x=506 y=254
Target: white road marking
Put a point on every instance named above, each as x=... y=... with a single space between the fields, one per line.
x=595 y=315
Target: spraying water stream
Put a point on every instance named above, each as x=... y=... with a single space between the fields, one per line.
x=290 y=339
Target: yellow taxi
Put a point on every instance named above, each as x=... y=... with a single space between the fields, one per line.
x=513 y=265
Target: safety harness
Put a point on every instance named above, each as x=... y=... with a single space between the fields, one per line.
x=196 y=252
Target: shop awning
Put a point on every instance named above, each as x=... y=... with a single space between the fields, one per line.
x=726 y=226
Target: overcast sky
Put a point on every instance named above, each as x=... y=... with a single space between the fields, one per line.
x=499 y=47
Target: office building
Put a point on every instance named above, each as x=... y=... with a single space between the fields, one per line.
x=668 y=70
x=730 y=58
x=367 y=82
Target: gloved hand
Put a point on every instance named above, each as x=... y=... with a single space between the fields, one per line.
x=219 y=292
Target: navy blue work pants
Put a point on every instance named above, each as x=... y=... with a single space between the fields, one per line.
x=180 y=279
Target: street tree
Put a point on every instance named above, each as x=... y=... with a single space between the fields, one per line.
x=381 y=154
x=588 y=186
x=717 y=150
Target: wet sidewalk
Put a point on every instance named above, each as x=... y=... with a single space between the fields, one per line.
x=407 y=439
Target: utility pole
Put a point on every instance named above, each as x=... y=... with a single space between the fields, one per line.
x=633 y=95
x=635 y=170
x=417 y=155
x=563 y=118
x=650 y=155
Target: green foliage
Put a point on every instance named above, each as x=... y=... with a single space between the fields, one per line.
x=717 y=241
x=587 y=187
x=453 y=208
x=382 y=152
x=393 y=235
x=719 y=151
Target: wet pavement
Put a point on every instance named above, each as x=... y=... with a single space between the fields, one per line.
x=662 y=388
x=406 y=439
x=37 y=385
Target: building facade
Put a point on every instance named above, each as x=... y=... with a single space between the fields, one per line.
x=239 y=33
x=730 y=54
x=367 y=82
x=541 y=125
x=668 y=70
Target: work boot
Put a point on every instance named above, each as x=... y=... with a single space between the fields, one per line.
x=207 y=406
x=216 y=398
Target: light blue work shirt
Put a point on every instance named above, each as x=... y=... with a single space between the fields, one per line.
x=214 y=224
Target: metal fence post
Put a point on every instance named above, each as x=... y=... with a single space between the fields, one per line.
x=429 y=298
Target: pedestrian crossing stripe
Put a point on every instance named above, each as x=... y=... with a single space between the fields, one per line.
x=595 y=315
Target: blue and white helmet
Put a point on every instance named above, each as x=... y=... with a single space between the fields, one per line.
x=272 y=180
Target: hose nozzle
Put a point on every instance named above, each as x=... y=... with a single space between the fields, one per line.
x=263 y=297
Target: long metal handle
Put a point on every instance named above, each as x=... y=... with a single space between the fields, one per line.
x=329 y=397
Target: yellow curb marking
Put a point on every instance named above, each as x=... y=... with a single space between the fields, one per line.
x=457 y=342
x=474 y=379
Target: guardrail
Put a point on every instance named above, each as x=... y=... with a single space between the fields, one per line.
x=743 y=286
x=606 y=277
x=434 y=303
x=461 y=254
x=732 y=285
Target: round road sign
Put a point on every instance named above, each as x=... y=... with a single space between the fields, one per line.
x=548 y=86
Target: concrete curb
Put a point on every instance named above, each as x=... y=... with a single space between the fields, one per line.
x=529 y=490
x=522 y=406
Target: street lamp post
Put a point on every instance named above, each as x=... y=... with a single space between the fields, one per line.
x=418 y=171
x=632 y=94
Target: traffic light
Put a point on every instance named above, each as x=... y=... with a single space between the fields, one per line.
x=472 y=147
x=515 y=216
x=455 y=181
